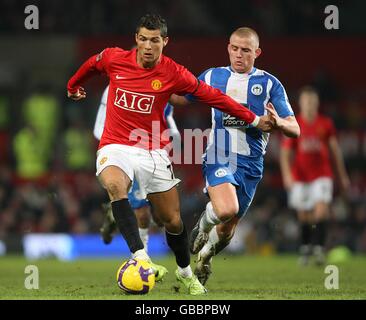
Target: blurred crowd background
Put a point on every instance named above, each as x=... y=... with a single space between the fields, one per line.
x=47 y=157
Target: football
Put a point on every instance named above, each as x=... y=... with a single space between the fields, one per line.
x=136 y=277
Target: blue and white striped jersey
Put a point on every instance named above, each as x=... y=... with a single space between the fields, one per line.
x=255 y=90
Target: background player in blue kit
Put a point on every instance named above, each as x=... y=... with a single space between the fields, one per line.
x=233 y=162
x=139 y=204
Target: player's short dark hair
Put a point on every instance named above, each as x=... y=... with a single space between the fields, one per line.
x=246 y=32
x=153 y=22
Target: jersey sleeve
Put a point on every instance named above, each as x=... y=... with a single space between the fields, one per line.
x=187 y=83
x=98 y=63
x=279 y=99
x=103 y=60
x=201 y=77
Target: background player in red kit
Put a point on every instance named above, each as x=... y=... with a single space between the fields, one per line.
x=132 y=144
x=308 y=176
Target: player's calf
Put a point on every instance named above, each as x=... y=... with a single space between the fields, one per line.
x=217 y=241
x=207 y=221
x=198 y=237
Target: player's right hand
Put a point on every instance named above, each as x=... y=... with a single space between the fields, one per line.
x=265 y=123
x=80 y=94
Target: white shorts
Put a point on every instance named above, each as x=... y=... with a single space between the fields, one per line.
x=304 y=196
x=152 y=169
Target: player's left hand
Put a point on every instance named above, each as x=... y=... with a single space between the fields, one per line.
x=275 y=118
x=80 y=94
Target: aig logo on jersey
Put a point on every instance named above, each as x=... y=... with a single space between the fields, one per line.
x=133 y=101
x=257 y=89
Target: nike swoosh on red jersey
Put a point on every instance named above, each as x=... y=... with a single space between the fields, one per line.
x=120 y=77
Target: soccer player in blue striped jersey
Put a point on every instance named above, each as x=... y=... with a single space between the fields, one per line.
x=233 y=162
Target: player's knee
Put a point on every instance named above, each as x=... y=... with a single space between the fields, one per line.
x=321 y=211
x=227 y=211
x=115 y=190
x=173 y=224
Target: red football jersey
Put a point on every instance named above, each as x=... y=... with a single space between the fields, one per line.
x=311 y=149
x=137 y=96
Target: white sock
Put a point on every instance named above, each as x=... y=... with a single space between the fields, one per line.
x=213 y=239
x=209 y=219
x=141 y=254
x=144 y=235
x=185 y=272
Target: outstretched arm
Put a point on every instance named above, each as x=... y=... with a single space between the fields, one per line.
x=94 y=65
x=218 y=100
x=288 y=126
x=86 y=71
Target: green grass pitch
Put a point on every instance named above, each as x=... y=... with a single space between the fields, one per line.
x=234 y=277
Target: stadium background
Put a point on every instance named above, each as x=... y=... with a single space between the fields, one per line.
x=47 y=158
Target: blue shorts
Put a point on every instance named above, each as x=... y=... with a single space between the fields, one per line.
x=134 y=197
x=245 y=178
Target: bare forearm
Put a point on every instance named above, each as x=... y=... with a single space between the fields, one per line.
x=338 y=158
x=289 y=127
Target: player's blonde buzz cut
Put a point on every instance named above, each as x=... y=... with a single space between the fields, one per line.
x=244 y=32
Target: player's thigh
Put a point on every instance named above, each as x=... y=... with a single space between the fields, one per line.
x=221 y=187
x=161 y=178
x=166 y=207
x=224 y=200
x=115 y=169
x=115 y=181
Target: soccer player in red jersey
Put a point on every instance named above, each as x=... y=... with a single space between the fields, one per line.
x=308 y=177
x=133 y=140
